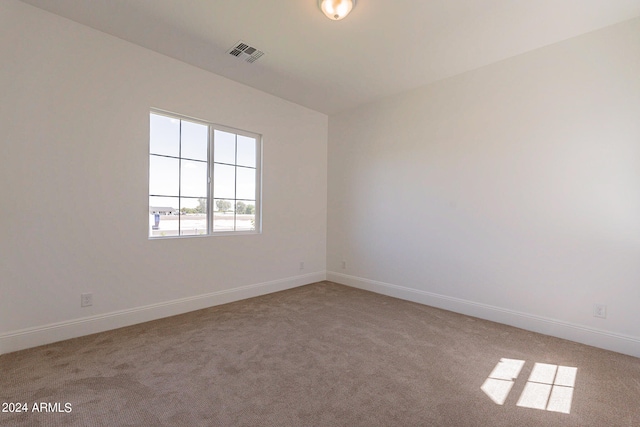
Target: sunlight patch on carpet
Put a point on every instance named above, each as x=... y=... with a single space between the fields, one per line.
x=500 y=381
x=549 y=387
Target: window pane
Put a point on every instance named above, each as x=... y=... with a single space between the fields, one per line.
x=246 y=186
x=163 y=218
x=164 y=135
x=246 y=151
x=164 y=177
x=193 y=220
x=224 y=150
x=245 y=215
x=194 y=178
x=223 y=215
x=195 y=139
x=201 y=177
x=224 y=181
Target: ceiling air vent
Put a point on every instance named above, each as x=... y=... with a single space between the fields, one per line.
x=245 y=52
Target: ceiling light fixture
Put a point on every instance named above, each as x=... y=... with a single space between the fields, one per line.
x=336 y=9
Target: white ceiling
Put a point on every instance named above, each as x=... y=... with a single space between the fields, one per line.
x=382 y=48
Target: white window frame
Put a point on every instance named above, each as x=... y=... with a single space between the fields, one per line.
x=212 y=127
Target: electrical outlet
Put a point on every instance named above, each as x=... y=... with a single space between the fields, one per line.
x=301 y=265
x=600 y=310
x=344 y=265
x=86 y=300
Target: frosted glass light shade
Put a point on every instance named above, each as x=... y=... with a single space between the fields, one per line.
x=336 y=9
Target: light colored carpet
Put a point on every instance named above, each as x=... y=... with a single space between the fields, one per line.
x=318 y=355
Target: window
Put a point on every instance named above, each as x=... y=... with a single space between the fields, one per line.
x=204 y=179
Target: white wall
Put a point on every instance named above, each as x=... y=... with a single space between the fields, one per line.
x=511 y=192
x=74 y=113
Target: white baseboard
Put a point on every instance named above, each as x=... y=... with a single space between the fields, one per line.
x=46 y=334
x=578 y=333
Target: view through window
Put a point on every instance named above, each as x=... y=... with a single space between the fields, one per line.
x=203 y=178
